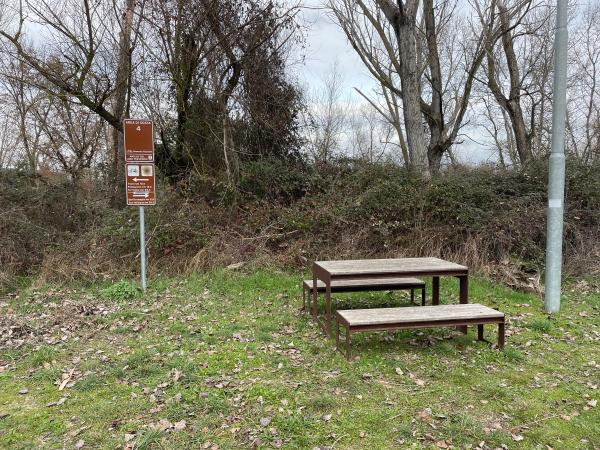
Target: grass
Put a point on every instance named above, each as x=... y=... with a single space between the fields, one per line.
x=231 y=355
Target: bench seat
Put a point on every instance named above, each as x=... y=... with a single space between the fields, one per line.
x=368 y=284
x=378 y=319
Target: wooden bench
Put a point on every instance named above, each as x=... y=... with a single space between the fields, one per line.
x=378 y=319
x=368 y=284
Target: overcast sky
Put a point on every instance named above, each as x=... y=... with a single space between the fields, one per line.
x=326 y=45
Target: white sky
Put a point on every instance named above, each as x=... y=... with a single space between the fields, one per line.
x=326 y=45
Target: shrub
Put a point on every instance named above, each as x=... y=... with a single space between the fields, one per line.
x=540 y=325
x=122 y=290
x=274 y=179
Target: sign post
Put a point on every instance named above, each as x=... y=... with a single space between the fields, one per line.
x=138 y=139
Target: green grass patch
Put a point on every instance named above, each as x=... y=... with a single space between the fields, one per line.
x=232 y=355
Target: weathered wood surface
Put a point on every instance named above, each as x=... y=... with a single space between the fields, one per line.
x=368 y=282
x=396 y=266
x=392 y=316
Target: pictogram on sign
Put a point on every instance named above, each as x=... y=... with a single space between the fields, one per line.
x=140 y=184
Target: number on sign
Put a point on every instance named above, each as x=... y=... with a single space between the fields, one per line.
x=138 y=128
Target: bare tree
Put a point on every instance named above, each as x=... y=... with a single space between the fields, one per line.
x=26 y=101
x=518 y=64
x=326 y=117
x=584 y=89
x=403 y=18
x=400 y=45
x=203 y=49
x=370 y=135
x=83 y=48
x=8 y=138
x=73 y=136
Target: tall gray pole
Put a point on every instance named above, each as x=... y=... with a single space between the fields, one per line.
x=556 y=180
x=143 y=247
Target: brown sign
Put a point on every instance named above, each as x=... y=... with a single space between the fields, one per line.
x=138 y=140
x=140 y=184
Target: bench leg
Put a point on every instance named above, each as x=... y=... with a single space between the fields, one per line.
x=304 y=299
x=412 y=296
x=501 y=336
x=480 y=332
x=348 y=343
x=423 y=296
x=328 y=309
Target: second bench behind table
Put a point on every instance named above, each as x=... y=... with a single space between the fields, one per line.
x=369 y=284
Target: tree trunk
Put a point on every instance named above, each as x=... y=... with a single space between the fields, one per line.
x=227 y=148
x=522 y=136
x=119 y=110
x=512 y=103
x=403 y=20
x=435 y=114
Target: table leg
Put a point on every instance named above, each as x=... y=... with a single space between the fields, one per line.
x=348 y=343
x=423 y=296
x=435 y=291
x=480 y=332
x=328 y=307
x=412 y=296
x=501 y=335
x=464 y=289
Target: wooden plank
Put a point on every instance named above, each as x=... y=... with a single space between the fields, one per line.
x=378 y=316
x=390 y=266
x=369 y=282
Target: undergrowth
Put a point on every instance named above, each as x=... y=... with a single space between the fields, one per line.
x=285 y=215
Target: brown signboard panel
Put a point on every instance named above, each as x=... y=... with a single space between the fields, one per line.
x=138 y=140
x=140 y=184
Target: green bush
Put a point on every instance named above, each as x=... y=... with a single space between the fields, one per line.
x=540 y=325
x=274 y=179
x=122 y=290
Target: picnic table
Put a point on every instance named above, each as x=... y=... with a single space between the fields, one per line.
x=330 y=271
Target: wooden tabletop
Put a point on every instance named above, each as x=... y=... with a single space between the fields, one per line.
x=377 y=316
x=390 y=266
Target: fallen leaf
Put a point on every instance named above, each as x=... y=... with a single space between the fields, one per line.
x=425 y=414
x=592 y=403
x=162 y=425
x=80 y=443
x=399 y=371
x=419 y=382
x=66 y=377
x=177 y=374
x=327 y=417
x=517 y=437
x=23 y=391
x=265 y=421
x=179 y=425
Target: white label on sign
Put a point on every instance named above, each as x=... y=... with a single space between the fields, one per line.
x=133 y=171
x=554 y=203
